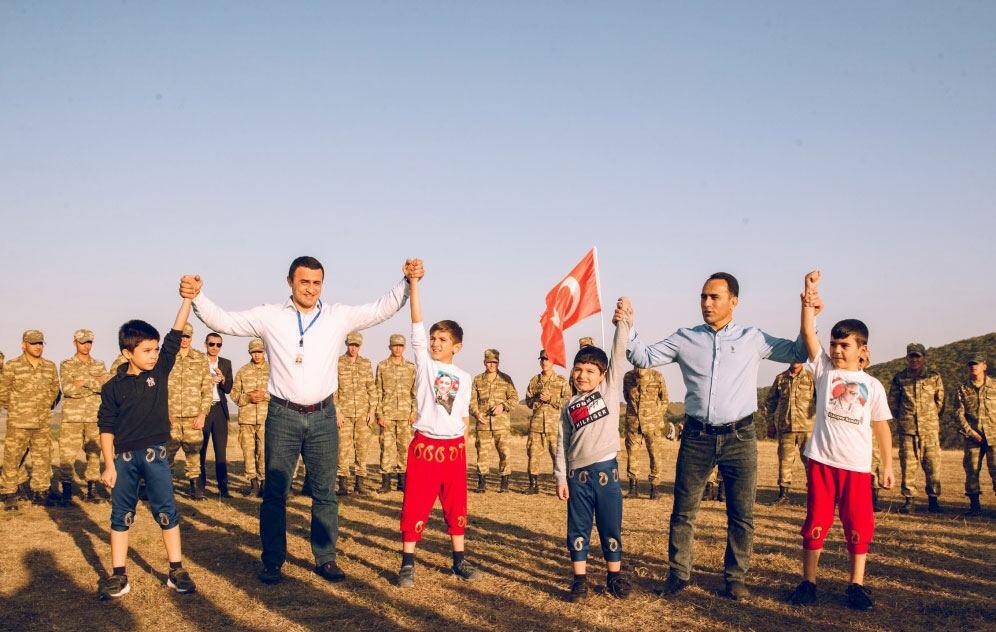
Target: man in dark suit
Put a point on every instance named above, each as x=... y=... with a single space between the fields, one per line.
x=216 y=423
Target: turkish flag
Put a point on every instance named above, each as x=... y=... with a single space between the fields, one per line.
x=572 y=300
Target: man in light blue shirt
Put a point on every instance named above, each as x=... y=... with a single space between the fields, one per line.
x=719 y=362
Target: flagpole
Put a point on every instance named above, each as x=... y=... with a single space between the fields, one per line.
x=598 y=285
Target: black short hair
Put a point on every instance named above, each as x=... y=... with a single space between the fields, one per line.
x=849 y=326
x=134 y=333
x=450 y=326
x=305 y=262
x=592 y=355
x=731 y=281
x=213 y=334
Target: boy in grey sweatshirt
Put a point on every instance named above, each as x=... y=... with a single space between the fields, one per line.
x=586 y=468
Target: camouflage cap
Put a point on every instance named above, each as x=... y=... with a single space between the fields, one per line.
x=979 y=357
x=542 y=355
x=915 y=348
x=83 y=335
x=491 y=355
x=33 y=335
x=188 y=330
x=395 y=340
x=587 y=341
x=256 y=345
x=354 y=338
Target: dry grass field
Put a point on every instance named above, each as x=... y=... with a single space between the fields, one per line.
x=926 y=572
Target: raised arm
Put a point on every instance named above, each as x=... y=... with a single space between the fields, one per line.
x=807 y=328
x=617 y=365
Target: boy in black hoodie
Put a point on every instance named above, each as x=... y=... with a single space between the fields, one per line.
x=134 y=428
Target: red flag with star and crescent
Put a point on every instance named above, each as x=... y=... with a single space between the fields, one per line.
x=572 y=300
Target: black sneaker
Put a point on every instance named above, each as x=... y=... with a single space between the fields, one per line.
x=179 y=580
x=406 y=576
x=579 y=591
x=270 y=575
x=671 y=586
x=859 y=597
x=735 y=590
x=618 y=586
x=330 y=571
x=466 y=571
x=804 y=594
x=113 y=587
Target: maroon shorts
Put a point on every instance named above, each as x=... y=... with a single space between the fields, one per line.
x=851 y=491
x=437 y=468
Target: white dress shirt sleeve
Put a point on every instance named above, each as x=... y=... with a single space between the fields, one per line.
x=247 y=323
x=365 y=316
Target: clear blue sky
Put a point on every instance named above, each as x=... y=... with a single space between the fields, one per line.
x=141 y=141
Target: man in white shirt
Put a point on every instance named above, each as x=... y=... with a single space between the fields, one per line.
x=302 y=338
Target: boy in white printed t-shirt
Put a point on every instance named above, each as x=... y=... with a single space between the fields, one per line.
x=851 y=408
x=437 y=455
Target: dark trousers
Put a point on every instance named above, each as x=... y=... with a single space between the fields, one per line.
x=216 y=429
x=151 y=465
x=736 y=455
x=315 y=437
x=595 y=494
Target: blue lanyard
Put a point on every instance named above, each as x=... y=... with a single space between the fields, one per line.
x=300 y=325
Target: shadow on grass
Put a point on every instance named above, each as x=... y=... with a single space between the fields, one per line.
x=52 y=600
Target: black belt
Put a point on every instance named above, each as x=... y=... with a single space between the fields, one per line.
x=301 y=408
x=718 y=429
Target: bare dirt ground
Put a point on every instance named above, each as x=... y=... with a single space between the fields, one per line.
x=926 y=572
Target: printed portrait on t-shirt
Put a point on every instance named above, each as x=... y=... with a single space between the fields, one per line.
x=446 y=386
x=847 y=400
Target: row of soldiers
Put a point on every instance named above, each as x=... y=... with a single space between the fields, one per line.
x=384 y=401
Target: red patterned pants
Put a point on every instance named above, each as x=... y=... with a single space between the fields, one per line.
x=437 y=468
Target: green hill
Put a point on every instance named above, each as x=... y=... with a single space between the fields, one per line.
x=948 y=360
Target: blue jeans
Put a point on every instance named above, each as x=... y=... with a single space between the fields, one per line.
x=595 y=493
x=152 y=465
x=736 y=455
x=315 y=437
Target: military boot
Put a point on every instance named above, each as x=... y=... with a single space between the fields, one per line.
x=10 y=502
x=253 y=488
x=503 y=486
x=907 y=506
x=67 y=495
x=358 y=487
x=708 y=493
x=933 y=506
x=653 y=491
x=782 y=497
x=342 y=490
x=195 y=490
x=974 y=508
x=634 y=490
x=720 y=492
x=401 y=482
x=385 y=484
x=875 y=506
x=24 y=491
x=91 y=495
x=533 y=485
x=262 y=484
x=482 y=485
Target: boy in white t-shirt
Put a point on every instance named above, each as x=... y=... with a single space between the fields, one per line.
x=851 y=407
x=437 y=455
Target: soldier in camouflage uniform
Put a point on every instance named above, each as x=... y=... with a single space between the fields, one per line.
x=916 y=397
x=28 y=391
x=118 y=361
x=190 y=387
x=395 y=412
x=355 y=405
x=587 y=341
x=22 y=471
x=492 y=398
x=976 y=407
x=646 y=406
x=250 y=394
x=82 y=378
x=790 y=407
x=545 y=396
